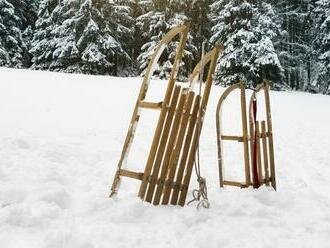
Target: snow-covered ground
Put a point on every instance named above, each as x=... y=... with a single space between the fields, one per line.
x=60 y=140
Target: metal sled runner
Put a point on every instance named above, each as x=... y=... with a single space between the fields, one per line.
x=171 y=157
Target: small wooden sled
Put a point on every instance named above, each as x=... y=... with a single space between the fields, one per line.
x=170 y=162
x=256 y=143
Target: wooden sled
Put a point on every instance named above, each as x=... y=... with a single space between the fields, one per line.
x=170 y=162
x=256 y=143
x=140 y=103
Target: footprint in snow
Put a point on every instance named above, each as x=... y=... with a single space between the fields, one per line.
x=22 y=144
x=56 y=156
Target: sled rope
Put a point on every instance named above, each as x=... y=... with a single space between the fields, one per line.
x=200 y=194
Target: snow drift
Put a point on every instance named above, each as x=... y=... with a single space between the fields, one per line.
x=60 y=140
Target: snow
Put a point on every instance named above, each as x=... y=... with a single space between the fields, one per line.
x=60 y=140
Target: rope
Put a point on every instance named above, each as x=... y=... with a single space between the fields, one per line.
x=200 y=194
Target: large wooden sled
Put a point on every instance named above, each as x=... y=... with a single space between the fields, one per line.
x=170 y=161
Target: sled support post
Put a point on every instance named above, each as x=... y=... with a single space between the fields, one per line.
x=260 y=138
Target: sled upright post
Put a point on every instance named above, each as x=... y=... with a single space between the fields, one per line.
x=258 y=144
x=168 y=169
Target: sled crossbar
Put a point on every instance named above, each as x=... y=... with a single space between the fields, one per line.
x=169 y=165
x=151 y=105
x=234 y=184
x=131 y=174
x=233 y=138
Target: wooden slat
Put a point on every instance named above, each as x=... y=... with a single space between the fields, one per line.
x=151 y=105
x=131 y=174
x=189 y=166
x=162 y=144
x=260 y=177
x=199 y=124
x=270 y=138
x=174 y=157
x=251 y=130
x=232 y=138
x=245 y=135
x=265 y=151
x=264 y=135
x=185 y=152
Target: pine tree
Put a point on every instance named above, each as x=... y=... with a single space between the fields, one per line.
x=78 y=36
x=123 y=24
x=160 y=16
x=198 y=12
x=12 y=47
x=294 y=45
x=26 y=10
x=246 y=29
x=322 y=45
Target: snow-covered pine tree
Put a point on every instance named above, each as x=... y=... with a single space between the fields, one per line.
x=137 y=9
x=12 y=47
x=179 y=13
x=294 y=45
x=51 y=15
x=26 y=10
x=322 y=45
x=198 y=12
x=78 y=36
x=246 y=29
x=159 y=17
x=122 y=22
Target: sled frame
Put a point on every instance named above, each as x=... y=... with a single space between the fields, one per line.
x=264 y=138
x=141 y=104
x=243 y=139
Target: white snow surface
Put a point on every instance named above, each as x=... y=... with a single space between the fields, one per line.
x=60 y=140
